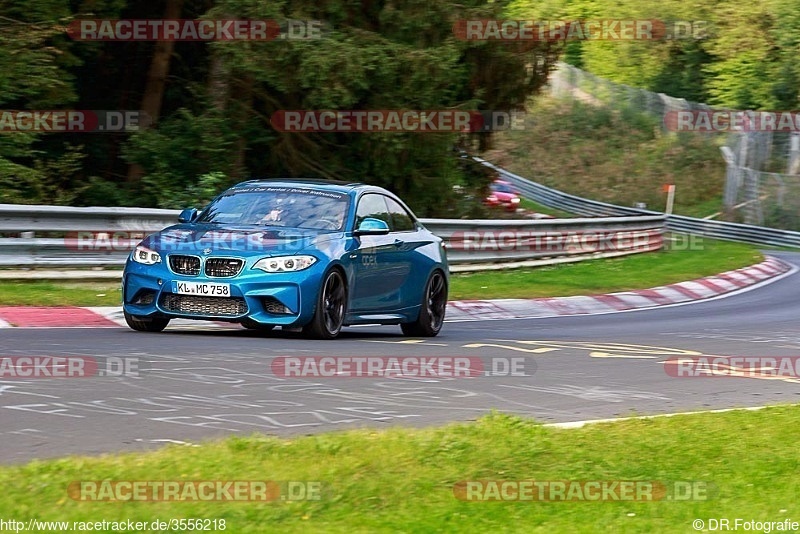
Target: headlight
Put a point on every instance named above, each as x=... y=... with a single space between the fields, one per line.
x=515 y=200
x=145 y=256
x=282 y=264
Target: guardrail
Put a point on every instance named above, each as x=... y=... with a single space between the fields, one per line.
x=745 y=233
x=481 y=244
x=97 y=237
x=69 y=250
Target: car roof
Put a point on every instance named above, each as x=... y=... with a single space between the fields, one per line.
x=354 y=189
x=315 y=183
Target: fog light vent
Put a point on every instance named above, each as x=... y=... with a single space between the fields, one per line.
x=275 y=307
x=144 y=297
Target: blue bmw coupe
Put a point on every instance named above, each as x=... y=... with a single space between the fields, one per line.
x=310 y=254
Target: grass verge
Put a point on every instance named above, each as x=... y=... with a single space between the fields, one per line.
x=401 y=480
x=53 y=293
x=638 y=271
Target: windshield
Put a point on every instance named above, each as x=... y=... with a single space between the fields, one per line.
x=279 y=206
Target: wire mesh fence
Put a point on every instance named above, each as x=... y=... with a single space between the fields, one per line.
x=763 y=165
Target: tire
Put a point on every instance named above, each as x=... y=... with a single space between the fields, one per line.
x=432 y=310
x=330 y=309
x=146 y=324
x=255 y=325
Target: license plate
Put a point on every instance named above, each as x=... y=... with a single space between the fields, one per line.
x=207 y=289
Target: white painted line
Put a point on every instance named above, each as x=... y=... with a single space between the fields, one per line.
x=580 y=424
x=172 y=441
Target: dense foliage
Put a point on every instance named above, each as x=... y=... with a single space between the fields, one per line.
x=748 y=57
x=212 y=101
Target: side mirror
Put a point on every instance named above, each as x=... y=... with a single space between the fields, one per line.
x=372 y=226
x=187 y=215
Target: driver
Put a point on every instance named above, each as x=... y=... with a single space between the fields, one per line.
x=274 y=215
x=277 y=207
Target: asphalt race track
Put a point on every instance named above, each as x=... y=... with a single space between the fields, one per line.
x=195 y=384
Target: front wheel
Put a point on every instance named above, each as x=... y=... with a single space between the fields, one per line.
x=431 y=313
x=146 y=324
x=330 y=310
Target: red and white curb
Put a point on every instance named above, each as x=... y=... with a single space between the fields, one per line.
x=94 y=317
x=771 y=269
x=703 y=288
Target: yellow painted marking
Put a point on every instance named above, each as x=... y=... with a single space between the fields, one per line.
x=621 y=347
x=508 y=347
x=407 y=342
x=596 y=354
x=609 y=350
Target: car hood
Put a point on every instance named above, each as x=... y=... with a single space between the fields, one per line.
x=243 y=241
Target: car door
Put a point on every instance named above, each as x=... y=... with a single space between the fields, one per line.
x=409 y=267
x=376 y=285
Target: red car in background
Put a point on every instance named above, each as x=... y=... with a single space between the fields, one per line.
x=502 y=194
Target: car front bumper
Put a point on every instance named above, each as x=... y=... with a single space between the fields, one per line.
x=283 y=299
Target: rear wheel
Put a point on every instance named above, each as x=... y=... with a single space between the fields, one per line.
x=330 y=310
x=431 y=313
x=146 y=324
x=255 y=325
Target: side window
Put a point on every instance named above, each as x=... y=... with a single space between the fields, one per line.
x=372 y=205
x=401 y=219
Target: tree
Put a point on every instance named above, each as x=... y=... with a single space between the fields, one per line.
x=33 y=75
x=156 y=81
